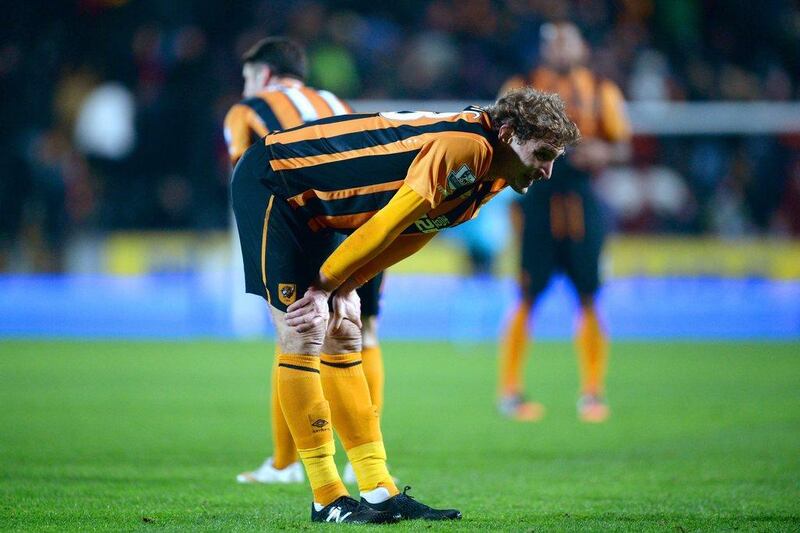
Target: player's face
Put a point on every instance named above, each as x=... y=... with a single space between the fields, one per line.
x=535 y=162
x=563 y=46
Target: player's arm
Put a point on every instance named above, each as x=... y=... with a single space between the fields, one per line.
x=373 y=237
x=358 y=249
x=612 y=146
x=424 y=188
x=615 y=123
x=402 y=247
x=241 y=123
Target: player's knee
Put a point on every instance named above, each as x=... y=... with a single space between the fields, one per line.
x=292 y=341
x=347 y=339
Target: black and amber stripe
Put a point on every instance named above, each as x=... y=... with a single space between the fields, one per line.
x=349 y=364
x=264 y=112
x=361 y=140
x=280 y=109
x=299 y=367
x=341 y=170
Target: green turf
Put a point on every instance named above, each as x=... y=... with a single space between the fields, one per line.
x=149 y=436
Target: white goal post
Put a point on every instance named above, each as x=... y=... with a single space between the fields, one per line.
x=654 y=118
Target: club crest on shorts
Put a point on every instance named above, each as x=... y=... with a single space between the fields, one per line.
x=287 y=293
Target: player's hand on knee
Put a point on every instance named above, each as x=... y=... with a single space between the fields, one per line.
x=309 y=312
x=346 y=306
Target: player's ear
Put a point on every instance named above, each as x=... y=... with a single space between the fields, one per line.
x=266 y=75
x=505 y=133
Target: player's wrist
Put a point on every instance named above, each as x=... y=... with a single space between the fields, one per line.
x=321 y=292
x=350 y=285
x=326 y=282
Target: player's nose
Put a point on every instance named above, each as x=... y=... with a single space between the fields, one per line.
x=547 y=169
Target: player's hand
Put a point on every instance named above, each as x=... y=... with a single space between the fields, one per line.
x=346 y=306
x=309 y=311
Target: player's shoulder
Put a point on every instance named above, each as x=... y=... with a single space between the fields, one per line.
x=248 y=103
x=462 y=141
x=238 y=111
x=460 y=147
x=596 y=78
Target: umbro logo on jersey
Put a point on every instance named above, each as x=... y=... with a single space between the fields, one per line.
x=319 y=423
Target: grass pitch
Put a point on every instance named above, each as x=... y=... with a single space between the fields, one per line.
x=150 y=435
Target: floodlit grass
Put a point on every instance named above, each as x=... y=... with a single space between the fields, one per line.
x=150 y=435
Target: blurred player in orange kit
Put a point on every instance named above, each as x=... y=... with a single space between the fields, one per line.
x=276 y=98
x=390 y=182
x=560 y=224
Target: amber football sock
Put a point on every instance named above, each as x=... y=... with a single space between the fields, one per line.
x=373 y=370
x=512 y=351
x=356 y=420
x=308 y=416
x=592 y=347
x=284 y=452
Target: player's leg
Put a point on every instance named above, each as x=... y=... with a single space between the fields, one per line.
x=537 y=261
x=305 y=407
x=284 y=450
x=513 y=352
x=592 y=348
x=281 y=257
x=583 y=269
x=357 y=423
x=311 y=411
x=371 y=356
x=283 y=465
x=371 y=349
x=292 y=254
x=309 y=416
x=355 y=418
x=250 y=202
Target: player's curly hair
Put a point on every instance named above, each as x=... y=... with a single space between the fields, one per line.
x=535 y=114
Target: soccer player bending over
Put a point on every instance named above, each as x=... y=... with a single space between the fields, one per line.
x=390 y=181
x=275 y=98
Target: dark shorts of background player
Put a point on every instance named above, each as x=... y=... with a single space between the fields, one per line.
x=370 y=294
x=281 y=254
x=543 y=254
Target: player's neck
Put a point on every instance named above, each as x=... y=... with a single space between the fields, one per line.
x=281 y=82
x=503 y=159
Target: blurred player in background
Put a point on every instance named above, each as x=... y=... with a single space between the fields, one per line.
x=275 y=98
x=560 y=223
x=390 y=181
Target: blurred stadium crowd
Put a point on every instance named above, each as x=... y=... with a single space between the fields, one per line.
x=112 y=109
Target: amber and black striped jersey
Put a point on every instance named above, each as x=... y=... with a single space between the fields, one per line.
x=594 y=103
x=340 y=171
x=282 y=106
